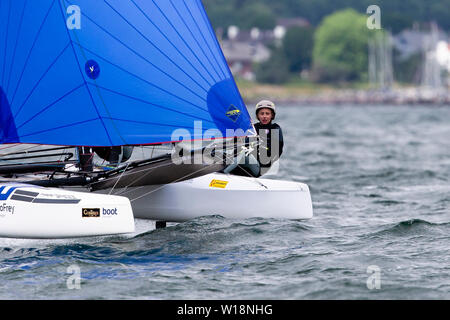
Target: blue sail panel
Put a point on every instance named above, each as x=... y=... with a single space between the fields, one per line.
x=143 y=81
x=47 y=55
x=82 y=133
x=141 y=112
x=8 y=132
x=8 y=38
x=23 y=67
x=132 y=47
x=131 y=72
x=199 y=19
x=42 y=99
x=52 y=120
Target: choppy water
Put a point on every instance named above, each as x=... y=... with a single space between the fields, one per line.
x=380 y=183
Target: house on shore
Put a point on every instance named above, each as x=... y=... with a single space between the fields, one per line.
x=245 y=48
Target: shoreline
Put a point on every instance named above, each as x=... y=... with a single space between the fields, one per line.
x=325 y=95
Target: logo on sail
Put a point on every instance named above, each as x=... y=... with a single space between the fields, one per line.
x=233 y=113
x=92 y=69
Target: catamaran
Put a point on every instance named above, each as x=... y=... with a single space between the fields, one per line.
x=121 y=109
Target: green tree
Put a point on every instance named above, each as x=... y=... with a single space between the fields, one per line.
x=341 y=47
x=297 y=47
x=395 y=14
x=256 y=15
x=275 y=70
x=221 y=14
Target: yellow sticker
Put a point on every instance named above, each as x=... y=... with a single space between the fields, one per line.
x=218 y=184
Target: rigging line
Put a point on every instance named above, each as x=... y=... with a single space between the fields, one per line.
x=50 y=105
x=182 y=39
x=136 y=76
x=143 y=58
x=163 y=165
x=179 y=179
x=146 y=170
x=125 y=190
x=60 y=127
x=250 y=176
x=17 y=152
x=26 y=154
x=31 y=50
x=6 y=42
x=198 y=44
x=64 y=153
x=15 y=47
x=216 y=41
x=156 y=47
x=47 y=165
x=135 y=172
x=162 y=187
x=153 y=104
x=112 y=189
x=40 y=79
x=81 y=72
x=20 y=150
x=7 y=147
x=153 y=149
x=204 y=39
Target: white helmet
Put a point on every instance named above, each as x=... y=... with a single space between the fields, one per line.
x=265 y=104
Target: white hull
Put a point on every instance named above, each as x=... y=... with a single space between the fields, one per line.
x=230 y=196
x=28 y=211
x=46 y=213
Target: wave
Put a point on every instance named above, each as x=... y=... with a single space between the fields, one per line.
x=412 y=227
x=387 y=202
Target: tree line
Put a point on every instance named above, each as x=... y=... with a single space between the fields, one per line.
x=334 y=48
x=396 y=14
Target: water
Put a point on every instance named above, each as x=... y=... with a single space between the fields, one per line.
x=379 y=179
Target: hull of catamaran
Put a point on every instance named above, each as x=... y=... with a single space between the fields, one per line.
x=28 y=211
x=229 y=196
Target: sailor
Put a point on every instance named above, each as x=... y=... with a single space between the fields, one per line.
x=268 y=149
x=271 y=141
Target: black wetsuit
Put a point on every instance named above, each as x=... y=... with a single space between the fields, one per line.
x=267 y=156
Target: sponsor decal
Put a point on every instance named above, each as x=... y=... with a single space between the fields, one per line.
x=5 y=192
x=218 y=184
x=35 y=197
x=5 y=208
x=92 y=69
x=233 y=113
x=58 y=196
x=91 y=213
x=110 y=212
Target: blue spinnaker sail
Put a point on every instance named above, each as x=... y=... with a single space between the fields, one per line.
x=112 y=72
